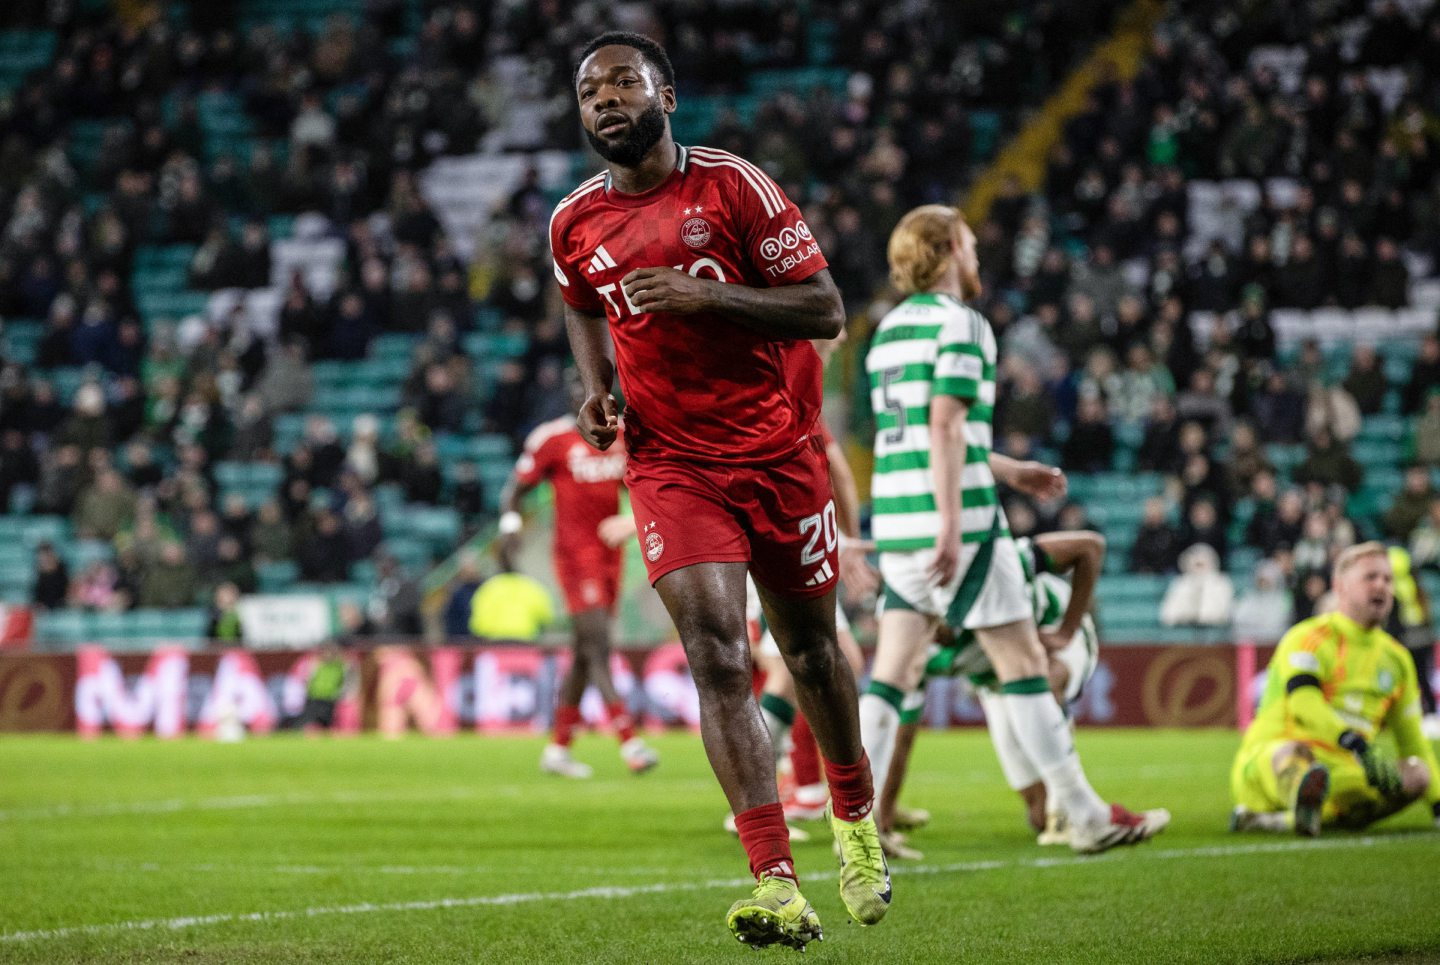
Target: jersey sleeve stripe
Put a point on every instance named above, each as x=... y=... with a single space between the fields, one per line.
x=764 y=199
x=761 y=177
x=598 y=181
x=766 y=182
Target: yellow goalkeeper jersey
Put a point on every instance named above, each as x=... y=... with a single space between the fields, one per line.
x=1368 y=681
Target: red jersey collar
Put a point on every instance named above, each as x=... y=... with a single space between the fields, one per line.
x=682 y=161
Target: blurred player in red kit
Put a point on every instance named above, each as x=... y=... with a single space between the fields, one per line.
x=693 y=266
x=587 y=493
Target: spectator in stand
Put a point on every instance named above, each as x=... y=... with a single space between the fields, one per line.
x=271 y=537
x=1366 y=380
x=396 y=604
x=467 y=495
x=1389 y=278
x=202 y=544
x=233 y=566
x=1027 y=407
x=439 y=403
x=1329 y=462
x=322 y=553
x=224 y=622
x=52 y=578
x=363 y=533
x=1333 y=409
x=421 y=477
x=18 y=465
x=1160 y=446
x=1409 y=505
x=1157 y=543
x=1426 y=432
x=141 y=469
x=1246 y=460
x=1279 y=411
x=456 y=617
x=170 y=581
x=1201 y=403
x=287 y=383
x=1091 y=445
x=1425 y=540
x=1313 y=551
x=105 y=507
x=1424 y=376
x=97 y=588
x=1203 y=526
x=363 y=456
x=61 y=479
x=1277 y=523
x=87 y=426
x=1263 y=612
x=1201 y=595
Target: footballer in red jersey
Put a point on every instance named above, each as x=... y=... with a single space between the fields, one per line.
x=586 y=482
x=704 y=278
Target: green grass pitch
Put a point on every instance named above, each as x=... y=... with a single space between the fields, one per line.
x=284 y=849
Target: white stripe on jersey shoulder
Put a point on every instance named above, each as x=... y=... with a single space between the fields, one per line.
x=769 y=193
x=586 y=186
x=761 y=178
x=546 y=431
x=765 y=180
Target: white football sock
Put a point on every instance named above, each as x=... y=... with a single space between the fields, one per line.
x=1042 y=731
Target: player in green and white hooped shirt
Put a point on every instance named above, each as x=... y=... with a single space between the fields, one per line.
x=1061 y=611
x=945 y=550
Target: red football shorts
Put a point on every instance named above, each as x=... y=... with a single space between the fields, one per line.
x=779 y=518
x=590 y=579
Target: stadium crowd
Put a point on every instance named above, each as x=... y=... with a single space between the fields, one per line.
x=345 y=119
x=1090 y=280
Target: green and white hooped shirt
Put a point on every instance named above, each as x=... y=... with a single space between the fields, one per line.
x=929 y=345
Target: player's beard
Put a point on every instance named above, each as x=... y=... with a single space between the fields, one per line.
x=628 y=152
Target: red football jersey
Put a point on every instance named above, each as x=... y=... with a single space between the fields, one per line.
x=586 y=481
x=702 y=386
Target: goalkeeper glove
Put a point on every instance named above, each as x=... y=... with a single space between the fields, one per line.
x=1380 y=774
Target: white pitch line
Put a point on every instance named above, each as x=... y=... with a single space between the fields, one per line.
x=244 y=802
x=521 y=898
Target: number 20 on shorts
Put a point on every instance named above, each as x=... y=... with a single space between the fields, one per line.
x=819 y=525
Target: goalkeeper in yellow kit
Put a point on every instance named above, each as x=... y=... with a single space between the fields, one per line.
x=1336 y=682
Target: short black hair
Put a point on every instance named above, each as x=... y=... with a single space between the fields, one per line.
x=651 y=50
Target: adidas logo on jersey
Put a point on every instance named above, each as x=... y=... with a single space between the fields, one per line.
x=822 y=575
x=600 y=261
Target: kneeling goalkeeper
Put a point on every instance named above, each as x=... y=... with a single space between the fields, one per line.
x=1336 y=684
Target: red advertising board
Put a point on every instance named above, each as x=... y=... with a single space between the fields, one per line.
x=443 y=690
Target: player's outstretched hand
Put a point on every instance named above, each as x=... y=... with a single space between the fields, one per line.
x=599 y=420
x=1380 y=772
x=859 y=577
x=1040 y=481
x=666 y=290
x=615 y=531
x=943 y=567
x=1052 y=641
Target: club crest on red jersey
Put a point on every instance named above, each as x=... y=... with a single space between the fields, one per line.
x=654 y=546
x=695 y=232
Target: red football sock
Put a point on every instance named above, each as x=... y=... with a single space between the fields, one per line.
x=766 y=841
x=804 y=755
x=567 y=717
x=621 y=720
x=851 y=792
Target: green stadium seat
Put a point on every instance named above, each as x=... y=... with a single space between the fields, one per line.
x=278 y=576
x=62 y=626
